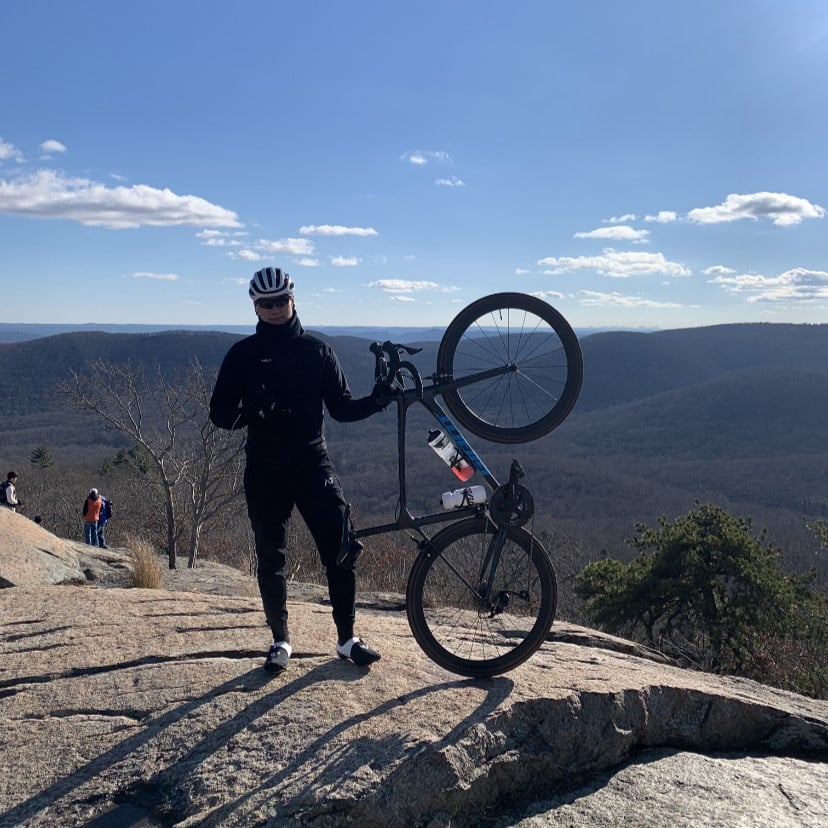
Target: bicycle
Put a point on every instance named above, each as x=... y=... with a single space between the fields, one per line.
x=482 y=592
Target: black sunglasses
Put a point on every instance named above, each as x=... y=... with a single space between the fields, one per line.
x=269 y=304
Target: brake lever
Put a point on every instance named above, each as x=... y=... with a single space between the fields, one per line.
x=389 y=365
x=380 y=362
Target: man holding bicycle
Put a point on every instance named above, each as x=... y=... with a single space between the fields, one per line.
x=274 y=383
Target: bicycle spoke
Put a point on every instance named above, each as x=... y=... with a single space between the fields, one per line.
x=463 y=625
x=539 y=352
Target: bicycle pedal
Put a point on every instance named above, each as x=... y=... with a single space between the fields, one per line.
x=349 y=559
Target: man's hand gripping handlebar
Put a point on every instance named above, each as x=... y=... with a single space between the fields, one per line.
x=390 y=371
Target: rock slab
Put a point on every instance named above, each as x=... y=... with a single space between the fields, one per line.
x=150 y=707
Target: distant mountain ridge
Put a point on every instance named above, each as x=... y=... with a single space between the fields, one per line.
x=734 y=414
x=24 y=331
x=632 y=365
x=619 y=367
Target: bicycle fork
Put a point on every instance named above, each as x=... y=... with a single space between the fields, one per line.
x=488 y=570
x=483 y=589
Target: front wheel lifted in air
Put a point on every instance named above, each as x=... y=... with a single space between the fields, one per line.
x=531 y=360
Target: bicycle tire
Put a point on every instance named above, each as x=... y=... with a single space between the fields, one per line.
x=537 y=394
x=446 y=616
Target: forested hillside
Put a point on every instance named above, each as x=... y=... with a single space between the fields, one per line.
x=732 y=414
x=623 y=367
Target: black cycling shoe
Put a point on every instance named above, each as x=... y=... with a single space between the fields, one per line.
x=278 y=657
x=356 y=650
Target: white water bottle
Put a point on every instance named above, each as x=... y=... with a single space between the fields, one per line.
x=470 y=496
x=448 y=452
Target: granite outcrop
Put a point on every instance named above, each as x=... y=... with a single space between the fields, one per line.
x=124 y=706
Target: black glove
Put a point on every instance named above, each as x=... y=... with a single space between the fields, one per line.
x=382 y=395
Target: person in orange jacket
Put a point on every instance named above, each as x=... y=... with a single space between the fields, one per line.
x=91 y=514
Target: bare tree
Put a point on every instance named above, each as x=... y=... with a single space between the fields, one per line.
x=214 y=473
x=197 y=467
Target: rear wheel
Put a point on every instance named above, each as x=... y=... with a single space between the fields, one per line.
x=455 y=625
x=541 y=361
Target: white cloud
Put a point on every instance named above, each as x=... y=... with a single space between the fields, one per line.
x=402 y=298
x=293 y=247
x=46 y=194
x=218 y=238
x=796 y=285
x=402 y=285
x=618 y=300
x=50 y=147
x=248 y=255
x=718 y=270
x=521 y=271
x=422 y=157
x=343 y=261
x=548 y=295
x=301 y=251
x=9 y=152
x=620 y=219
x=161 y=277
x=783 y=209
x=453 y=181
x=336 y=230
x=618 y=232
x=219 y=242
x=617 y=264
x=662 y=217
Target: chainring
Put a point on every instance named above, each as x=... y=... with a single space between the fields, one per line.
x=511 y=505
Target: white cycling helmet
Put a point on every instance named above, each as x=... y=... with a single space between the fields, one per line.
x=269 y=283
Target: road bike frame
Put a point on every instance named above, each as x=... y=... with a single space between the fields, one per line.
x=481 y=592
x=426 y=396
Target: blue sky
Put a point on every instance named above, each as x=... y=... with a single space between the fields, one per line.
x=636 y=163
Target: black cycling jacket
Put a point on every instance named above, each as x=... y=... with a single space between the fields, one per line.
x=274 y=383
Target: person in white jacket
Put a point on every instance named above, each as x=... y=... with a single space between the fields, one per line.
x=8 y=496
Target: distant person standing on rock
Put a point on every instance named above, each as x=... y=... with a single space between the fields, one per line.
x=8 y=494
x=91 y=514
x=274 y=383
x=106 y=515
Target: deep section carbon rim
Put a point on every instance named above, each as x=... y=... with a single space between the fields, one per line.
x=537 y=354
x=460 y=629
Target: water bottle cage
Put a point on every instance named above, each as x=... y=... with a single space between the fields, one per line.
x=465 y=498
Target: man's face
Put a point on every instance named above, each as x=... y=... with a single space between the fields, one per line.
x=275 y=311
